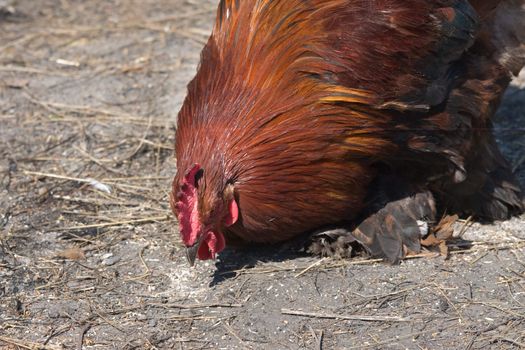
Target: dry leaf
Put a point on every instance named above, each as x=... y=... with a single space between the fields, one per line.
x=74 y=253
x=440 y=234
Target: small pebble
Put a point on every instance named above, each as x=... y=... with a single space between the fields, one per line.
x=112 y=260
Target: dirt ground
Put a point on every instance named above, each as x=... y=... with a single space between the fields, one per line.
x=89 y=253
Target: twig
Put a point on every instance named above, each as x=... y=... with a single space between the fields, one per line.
x=465 y=226
x=230 y=330
x=83 y=332
x=146 y=267
x=346 y=317
x=188 y=318
x=318 y=339
x=55 y=332
x=317 y=263
x=56 y=176
x=32 y=71
x=460 y=315
x=141 y=143
x=94 y=201
x=108 y=321
x=98 y=161
x=513 y=342
x=137 y=178
x=28 y=345
x=96 y=184
x=481 y=256
x=194 y=306
x=143 y=261
x=172 y=306
x=80 y=108
x=381 y=296
x=399 y=337
x=159 y=145
x=510 y=312
x=117 y=223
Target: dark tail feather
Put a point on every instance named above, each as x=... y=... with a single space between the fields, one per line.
x=490 y=191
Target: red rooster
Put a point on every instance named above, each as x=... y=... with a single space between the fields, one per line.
x=349 y=118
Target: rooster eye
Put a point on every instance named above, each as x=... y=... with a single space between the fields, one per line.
x=198 y=175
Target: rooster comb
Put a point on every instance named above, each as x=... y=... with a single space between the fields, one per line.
x=187 y=201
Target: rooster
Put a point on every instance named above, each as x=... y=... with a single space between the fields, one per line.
x=350 y=119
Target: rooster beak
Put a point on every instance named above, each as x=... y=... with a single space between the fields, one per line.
x=191 y=252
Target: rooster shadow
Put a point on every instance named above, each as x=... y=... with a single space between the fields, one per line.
x=232 y=260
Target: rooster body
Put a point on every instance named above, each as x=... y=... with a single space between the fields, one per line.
x=326 y=113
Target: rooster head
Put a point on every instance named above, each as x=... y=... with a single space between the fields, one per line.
x=202 y=213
